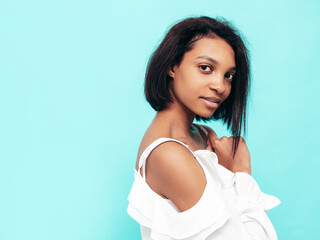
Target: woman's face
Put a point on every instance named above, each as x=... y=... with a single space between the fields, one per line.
x=203 y=79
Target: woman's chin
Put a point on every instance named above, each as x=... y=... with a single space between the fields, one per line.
x=205 y=114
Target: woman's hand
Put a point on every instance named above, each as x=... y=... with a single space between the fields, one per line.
x=240 y=162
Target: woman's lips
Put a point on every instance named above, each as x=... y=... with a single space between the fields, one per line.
x=211 y=102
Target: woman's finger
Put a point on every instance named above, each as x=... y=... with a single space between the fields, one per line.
x=212 y=139
x=209 y=147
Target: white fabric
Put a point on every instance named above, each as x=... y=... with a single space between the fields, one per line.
x=231 y=206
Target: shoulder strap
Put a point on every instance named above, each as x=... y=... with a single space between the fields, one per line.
x=148 y=150
x=202 y=129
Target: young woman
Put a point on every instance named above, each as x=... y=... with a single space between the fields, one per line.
x=190 y=184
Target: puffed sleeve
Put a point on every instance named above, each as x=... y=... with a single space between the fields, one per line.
x=252 y=206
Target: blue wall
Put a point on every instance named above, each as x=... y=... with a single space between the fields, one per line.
x=72 y=110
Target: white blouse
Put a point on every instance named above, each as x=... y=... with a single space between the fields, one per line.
x=231 y=206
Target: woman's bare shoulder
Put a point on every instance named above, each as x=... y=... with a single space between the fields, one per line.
x=151 y=134
x=173 y=172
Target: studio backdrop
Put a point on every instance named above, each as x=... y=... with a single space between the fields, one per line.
x=72 y=110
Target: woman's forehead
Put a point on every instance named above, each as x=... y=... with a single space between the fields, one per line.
x=212 y=48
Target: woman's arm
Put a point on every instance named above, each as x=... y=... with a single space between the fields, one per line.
x=173 y=172
x=252 y=205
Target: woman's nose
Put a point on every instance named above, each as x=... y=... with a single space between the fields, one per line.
x=218 y=84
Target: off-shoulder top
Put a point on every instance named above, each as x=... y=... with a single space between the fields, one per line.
x=232 y=205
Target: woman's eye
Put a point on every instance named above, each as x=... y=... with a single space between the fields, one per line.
x=205 y=68
x=230 y=76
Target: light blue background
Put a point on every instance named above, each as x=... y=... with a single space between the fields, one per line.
x=72 y=110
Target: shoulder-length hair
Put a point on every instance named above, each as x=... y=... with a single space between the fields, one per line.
x=179 y=40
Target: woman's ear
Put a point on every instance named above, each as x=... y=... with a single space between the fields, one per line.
x=171 y=72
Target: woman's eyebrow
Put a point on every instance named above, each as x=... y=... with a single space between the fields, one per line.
x=215 y=61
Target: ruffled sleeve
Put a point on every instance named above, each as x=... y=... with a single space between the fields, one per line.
x=248 y=204
x=150 y=210
x=252 y=206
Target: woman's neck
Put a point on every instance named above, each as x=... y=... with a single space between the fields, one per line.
x=178 y=121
